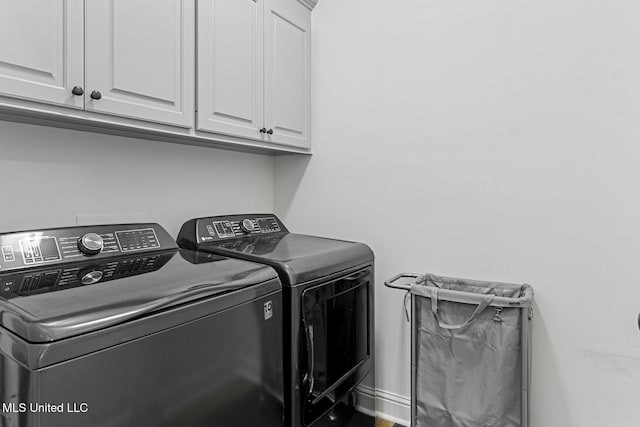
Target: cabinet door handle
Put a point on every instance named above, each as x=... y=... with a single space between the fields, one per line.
x=270 y=131
x=77 y=91
x=96 y=95
x=263 y=130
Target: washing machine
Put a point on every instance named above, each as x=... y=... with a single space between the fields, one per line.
x=328 y=299
x=113 y=325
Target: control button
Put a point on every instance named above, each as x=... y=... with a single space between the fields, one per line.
x=27 y=252
x=7 y=254
x=224 y=229
x=247 y=226
x=268 y=225
x=90 y=244
x=90 y=275
x=136 y=240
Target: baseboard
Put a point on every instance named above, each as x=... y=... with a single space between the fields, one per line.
x=384 y=404
x=366 y=400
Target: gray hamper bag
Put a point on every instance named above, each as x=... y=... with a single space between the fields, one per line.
x=471 y=352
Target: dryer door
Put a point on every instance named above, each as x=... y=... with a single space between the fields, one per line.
x=335 y=340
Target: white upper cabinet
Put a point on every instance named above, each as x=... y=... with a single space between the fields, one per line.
x=140 y=59
x=254 y=70
x=287 y=73
x=42 y=50
x=130 y=65
x=230 y=63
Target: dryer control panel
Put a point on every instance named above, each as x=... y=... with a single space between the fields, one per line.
x=232 y=226
x=38 y=248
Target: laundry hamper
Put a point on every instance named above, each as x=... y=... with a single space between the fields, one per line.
x=470 y=351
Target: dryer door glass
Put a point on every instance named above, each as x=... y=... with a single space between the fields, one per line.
x=335 y=339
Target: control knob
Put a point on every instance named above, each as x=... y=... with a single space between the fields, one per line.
x=247 y=248
x=247 y=226
x=90 y=244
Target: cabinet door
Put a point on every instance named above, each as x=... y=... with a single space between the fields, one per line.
x=230 y=67
x=140 y=57
x=42 y=50
x=287 y=72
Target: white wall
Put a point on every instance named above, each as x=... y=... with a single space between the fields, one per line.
x=498 y=140
x=49 y=177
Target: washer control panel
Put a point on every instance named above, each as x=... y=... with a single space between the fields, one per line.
x=39 y=248
x=231 y=227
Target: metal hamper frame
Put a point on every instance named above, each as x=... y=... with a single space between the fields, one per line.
x=526 y=313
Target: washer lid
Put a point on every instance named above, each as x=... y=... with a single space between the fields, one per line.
x=298 y=258
x=65 y=300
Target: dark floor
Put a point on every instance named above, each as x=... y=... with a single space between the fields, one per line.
x=361 y=420
x=347 y=416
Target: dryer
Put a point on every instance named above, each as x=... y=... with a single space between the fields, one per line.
x=328 y=297
x=115 y=326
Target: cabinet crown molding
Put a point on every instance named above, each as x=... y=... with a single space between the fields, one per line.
x=309 y=3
